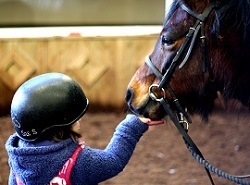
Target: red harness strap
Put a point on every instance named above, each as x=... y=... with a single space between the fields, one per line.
x=63 y=177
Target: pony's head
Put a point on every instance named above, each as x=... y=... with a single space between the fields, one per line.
x=203 y=48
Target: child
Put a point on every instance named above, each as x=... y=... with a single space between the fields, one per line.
x=45 y=149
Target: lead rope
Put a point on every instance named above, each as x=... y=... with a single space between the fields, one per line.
x=195 y=152
x=220 y=173
x=183 y=132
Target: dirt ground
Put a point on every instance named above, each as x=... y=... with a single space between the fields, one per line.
x=161 y=156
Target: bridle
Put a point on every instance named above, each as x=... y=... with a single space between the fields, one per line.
x=178 y=114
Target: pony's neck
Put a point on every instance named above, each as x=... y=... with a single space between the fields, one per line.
x=235 y=76
x=232 y=43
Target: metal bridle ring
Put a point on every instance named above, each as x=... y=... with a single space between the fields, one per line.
x=154 y=95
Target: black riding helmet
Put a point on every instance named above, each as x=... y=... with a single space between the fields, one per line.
x=45 y=101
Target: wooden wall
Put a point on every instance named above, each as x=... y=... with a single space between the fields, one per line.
x=103 y=66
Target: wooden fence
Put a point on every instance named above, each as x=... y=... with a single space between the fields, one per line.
x=103 y=66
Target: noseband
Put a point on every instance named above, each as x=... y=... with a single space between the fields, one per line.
x=178 y=114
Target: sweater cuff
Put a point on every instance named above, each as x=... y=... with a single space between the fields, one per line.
x=136 y=124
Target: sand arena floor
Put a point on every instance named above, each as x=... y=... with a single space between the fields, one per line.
x=161 y=156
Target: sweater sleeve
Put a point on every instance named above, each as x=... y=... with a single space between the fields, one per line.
x=12 y=179
x=94 y=166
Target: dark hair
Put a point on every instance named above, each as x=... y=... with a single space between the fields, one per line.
x=59 y=133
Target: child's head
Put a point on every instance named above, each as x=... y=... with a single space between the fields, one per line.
x=46 y=106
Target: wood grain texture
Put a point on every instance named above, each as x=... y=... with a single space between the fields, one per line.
x=103 y=66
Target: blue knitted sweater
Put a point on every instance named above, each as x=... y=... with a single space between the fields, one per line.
x=37 y=165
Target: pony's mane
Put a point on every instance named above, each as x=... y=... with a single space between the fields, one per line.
x=239 y=11
x=236 y=10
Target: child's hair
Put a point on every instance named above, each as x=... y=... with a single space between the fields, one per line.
x=59 y=133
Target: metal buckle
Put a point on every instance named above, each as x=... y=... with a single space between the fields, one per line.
x=156 y=93
x=184 y=123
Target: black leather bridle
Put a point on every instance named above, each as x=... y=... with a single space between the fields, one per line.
x=179 y=115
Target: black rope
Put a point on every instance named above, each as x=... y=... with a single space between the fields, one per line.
x=183 y=132
x=220 y=173
x=196 y=153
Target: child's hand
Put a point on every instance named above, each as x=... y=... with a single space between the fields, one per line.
x=149 y=122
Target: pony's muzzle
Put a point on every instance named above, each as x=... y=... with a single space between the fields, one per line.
x=129 y=96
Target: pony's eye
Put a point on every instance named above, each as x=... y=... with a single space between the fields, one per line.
x=165 y=41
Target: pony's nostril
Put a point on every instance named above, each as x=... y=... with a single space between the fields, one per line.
x=129 y=95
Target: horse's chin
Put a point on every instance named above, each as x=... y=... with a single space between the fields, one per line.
x=151 y=110
x=159 y=115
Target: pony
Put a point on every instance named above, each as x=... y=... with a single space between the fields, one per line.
x=195 y=70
